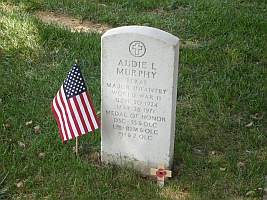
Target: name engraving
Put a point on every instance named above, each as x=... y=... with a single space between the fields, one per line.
x=136 y=69
x=136 y=73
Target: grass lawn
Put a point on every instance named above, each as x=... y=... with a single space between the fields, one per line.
x=221 y=127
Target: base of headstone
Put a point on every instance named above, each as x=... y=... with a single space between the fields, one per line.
x=265 y=189
x=160 y=183
x=133 y=164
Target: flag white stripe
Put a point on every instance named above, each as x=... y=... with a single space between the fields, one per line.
x=64 y=113
x=73 y=127
x=84 y=113
x=90 y=110
x=60 y=118
x=65 y=124
x=73 y=106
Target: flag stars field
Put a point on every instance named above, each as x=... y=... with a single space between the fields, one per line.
x=74 y=82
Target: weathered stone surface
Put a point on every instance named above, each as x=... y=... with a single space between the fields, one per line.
x=139 y=69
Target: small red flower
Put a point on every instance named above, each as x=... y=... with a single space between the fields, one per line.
x=160 y=173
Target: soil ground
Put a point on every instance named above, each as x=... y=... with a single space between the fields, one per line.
x=72 y=23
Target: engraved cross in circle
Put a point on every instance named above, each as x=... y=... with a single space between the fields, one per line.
x=137 y=49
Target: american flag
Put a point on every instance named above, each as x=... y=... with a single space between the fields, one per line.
x=73 y=108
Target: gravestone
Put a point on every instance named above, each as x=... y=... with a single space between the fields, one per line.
x=139 y=69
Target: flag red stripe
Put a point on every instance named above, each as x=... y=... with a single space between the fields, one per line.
x=77 y=118
x=83 y=110
x=61 y=115
x=79 y=108
x=74 y=124
x=89 y=115
x=94 y=113
x=57 y=115
x=64 y=115
x=83 y=100
x=67 y=116
x=67 y=134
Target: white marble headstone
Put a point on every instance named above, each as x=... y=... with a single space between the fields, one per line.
x=139 y=69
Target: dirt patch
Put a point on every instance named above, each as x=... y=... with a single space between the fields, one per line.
x=190 y=44
x=86 y=25
x=72 y=23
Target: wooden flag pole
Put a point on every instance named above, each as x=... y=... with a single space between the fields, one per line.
x=76 y=146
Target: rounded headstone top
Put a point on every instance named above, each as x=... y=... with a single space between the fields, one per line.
x=145 y=31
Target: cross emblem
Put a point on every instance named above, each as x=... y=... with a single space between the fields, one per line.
x=160 y=173
x=137 y=49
